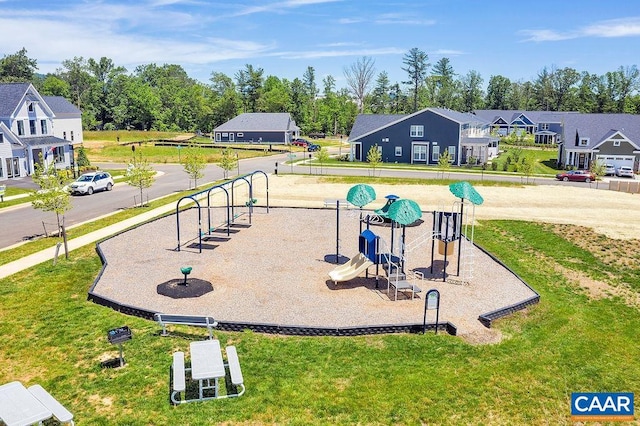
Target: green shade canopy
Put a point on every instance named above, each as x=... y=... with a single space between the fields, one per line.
x=404 y=212
x=360 y=195
x=466 y=191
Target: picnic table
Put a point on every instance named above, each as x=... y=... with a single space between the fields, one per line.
x=206 y=365
x=20 y=406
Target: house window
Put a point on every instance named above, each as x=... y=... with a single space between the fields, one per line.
x=72 y=136
x=616 y=143
x=584 y=142
x=398 y=151
x=1 y=137
x=218 y=138
x=30 y=107
x=64 y=135
x=420 y=153
x=32 y=127
x=417 y=131
x=452 y=154
x=385 y=139
x=240 y=135
x=544 y=126
x=435 y=153
x=43 y=127
x=20 y=128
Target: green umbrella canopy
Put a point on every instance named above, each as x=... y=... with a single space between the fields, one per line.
x=360 y=195
x=404 y=212
x=466 y=191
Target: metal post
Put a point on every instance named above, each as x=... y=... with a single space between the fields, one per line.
x=460 y=234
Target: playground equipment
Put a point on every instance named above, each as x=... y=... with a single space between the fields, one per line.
x=348 y=271
x=231 y=207
x=336 y=258
x=384 y=211
x=368 y=255
x=450 y=228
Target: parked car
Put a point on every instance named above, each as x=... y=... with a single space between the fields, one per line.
x=625 y=171
x=89 y=183
x=300 y=142
x=576 y=176
x=313 y=147
x=317 y=135
x=609 y=170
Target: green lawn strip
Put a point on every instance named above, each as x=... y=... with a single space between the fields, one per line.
x=124 y=136
x=544 y=160
x=565 y=344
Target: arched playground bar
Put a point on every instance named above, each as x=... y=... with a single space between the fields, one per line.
x=229 y=188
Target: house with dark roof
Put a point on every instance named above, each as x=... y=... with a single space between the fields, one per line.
x=29 y=127
x=258 y=128
x=545 y=126
x=608 y=138
x=422 y=137
x=612 y=139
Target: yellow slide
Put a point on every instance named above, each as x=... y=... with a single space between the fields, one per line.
x=351 y=269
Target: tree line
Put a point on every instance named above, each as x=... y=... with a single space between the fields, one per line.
x=165 y=98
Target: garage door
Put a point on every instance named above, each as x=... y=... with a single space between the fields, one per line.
x=617 y=160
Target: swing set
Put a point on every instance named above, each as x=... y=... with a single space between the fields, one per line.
x=232 y=208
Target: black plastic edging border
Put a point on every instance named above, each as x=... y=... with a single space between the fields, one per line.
x=487 y=318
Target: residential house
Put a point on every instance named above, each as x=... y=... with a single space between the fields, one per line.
x=581 y=138
x=608 y=138
x=545 y=126
x=27 y=135
x=258 y=128
x=421 y=137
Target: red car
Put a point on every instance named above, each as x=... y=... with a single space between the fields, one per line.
x=300 y=142
x=576 y=176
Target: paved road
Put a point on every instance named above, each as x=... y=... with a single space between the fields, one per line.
x=23 y=222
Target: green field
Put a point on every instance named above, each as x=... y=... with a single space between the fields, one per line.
x=569 y=342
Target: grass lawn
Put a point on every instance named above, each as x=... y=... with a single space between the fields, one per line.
x=569 y=342
x=544 y=160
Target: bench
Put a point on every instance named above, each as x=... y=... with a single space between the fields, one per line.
x=194 y=320
x=234 y=369
x=59 y=412
x=179 y=379
x=3 y=189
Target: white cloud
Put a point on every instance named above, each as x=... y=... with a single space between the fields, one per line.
x=65 y=41
x=624 y=27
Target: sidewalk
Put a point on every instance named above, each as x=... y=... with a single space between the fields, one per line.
x=49 y=253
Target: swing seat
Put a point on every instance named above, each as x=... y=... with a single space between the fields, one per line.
x=251 y=202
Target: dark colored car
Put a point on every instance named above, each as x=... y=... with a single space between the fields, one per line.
x=576 y=176
x=300 y=142
x=313 y=147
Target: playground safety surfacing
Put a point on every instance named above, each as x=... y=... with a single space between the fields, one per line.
x=272 y=273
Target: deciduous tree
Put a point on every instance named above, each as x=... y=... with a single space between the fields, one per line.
x=140 y=174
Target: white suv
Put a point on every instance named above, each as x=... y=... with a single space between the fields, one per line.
x=89 y=183
x=625 y=171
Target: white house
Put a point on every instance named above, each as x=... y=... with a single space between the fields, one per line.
x=34 y=127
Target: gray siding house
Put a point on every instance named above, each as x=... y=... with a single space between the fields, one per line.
x=258 y=127
x=421 y=137
x=544 y=125
x=608 y=138
x=581 y=138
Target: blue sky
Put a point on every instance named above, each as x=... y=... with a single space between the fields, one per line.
x=513 y=39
